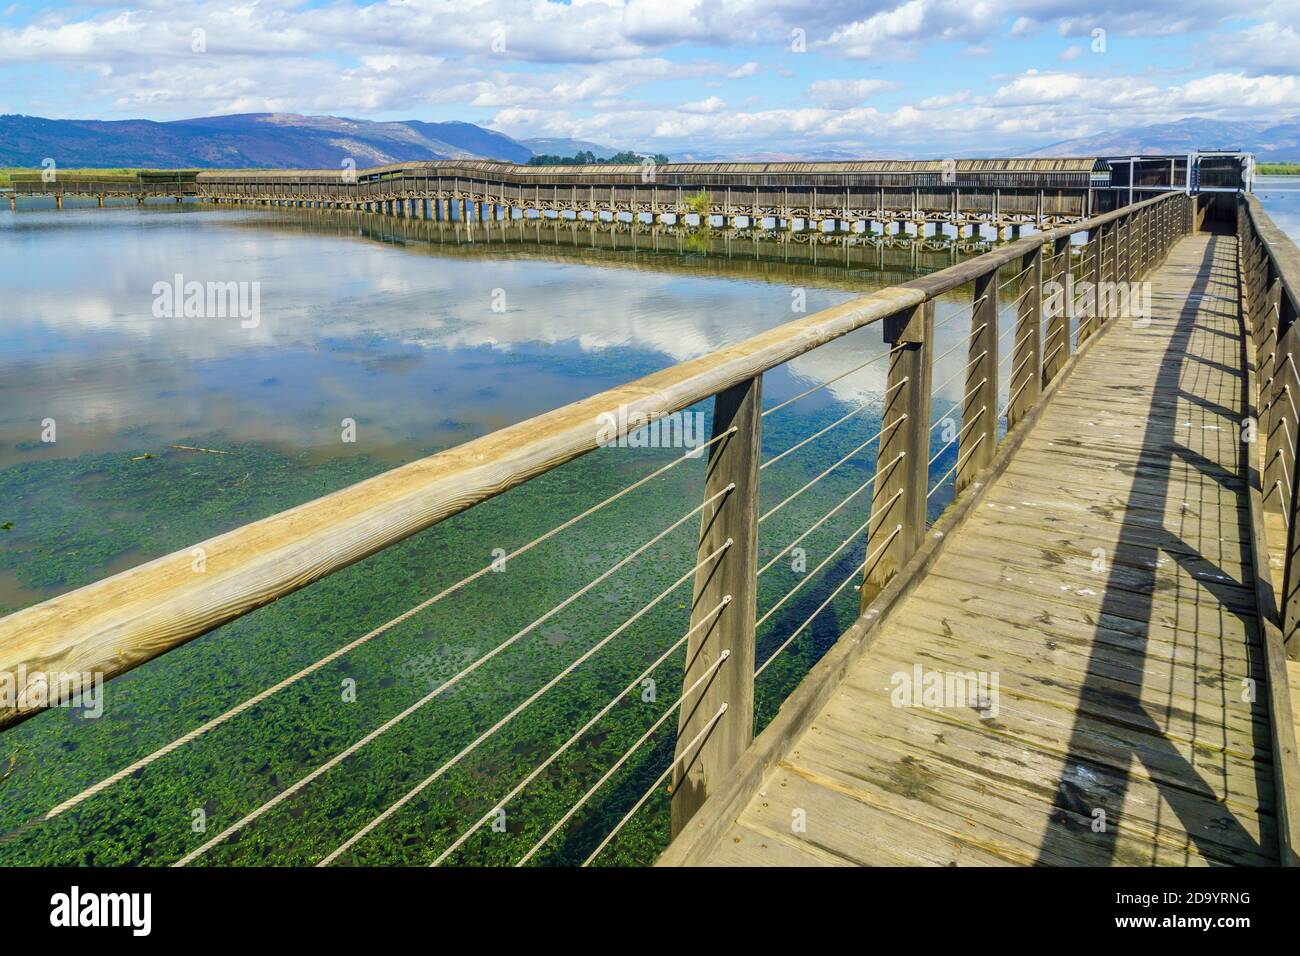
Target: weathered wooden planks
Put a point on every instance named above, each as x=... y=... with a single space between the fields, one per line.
x=1108 y=580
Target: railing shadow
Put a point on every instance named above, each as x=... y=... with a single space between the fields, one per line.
x=1161 y=459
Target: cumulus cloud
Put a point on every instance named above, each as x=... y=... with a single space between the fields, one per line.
x=841 y=94
x=638 y=73
x=1264 y=48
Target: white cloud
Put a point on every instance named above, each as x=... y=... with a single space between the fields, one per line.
x=1265 y=48
x=631 y=72
x=711 y=105
x=840 y=94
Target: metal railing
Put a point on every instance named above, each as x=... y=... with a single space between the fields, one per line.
x=118 y=623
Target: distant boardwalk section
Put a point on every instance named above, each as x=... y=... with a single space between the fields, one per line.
x=960 y=193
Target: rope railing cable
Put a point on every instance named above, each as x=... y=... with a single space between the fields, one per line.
x=829 y=381
x=962 y=313
x=580 y=732
x=955 y=438
x=1021 y=364
x=1014 y=395
x=957 y=374
x=823 y=519
x=810 y=483
x=310 y=669
x=691 y=745
x=957 y=464
x=450 y=682
x=960 y=403
x=811 y=574
x=582 y=801
x=962 y=344
x=1017 y=277
x=516 y=711
x=1015 y=303
x=834 y=594
x=839 y=421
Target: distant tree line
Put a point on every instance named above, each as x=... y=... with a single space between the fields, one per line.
x=585 y=157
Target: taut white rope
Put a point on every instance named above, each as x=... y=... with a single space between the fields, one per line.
x=772 y=511
x=694 y=741
x=839 y=421
x=464 y=672
x=708 y=672
x=596 y=718
x=834 y=594
x=235 y=711
x=829 y=381
x=822 y=520
x=809 y=576
x=516 y=711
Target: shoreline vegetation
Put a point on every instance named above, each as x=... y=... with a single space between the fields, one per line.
x=588 y=158
x=1277 y=169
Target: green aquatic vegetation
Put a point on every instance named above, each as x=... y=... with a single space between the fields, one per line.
x=143 y=509
x=698 y=203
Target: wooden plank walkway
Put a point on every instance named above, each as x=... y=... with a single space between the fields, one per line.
x=1106 y=583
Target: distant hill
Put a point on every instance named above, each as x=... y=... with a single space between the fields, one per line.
x=283 y=140
x=293 y=141
x=1269 y=141
x=567 y=147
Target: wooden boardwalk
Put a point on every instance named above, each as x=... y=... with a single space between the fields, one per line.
x=1105 y=581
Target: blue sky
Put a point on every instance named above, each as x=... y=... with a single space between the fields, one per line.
x=760 y=78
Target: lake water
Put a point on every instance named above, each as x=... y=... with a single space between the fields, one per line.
x=375 y=342
x=1280 y=196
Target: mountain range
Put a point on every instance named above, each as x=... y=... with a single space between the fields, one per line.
x=1270 y=141
x=290 y=140
x=283 y=140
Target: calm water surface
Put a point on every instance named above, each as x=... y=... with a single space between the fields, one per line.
x=424 y=336
x=1280 y=196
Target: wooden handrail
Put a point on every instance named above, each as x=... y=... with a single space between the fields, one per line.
x=1270 y=264
x=1269 y=272
x=120 y=622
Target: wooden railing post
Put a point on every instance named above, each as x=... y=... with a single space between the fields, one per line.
x=1169 y=230
x=1279 y=394
x=1130 y=261
x=1282 y=474
x=979 y=412
x=1148 y=252
x=731 y=577
x=1122 y=234
x=1158 y=235
x=898 y=502
x=1026 y=353
x=1056 y=347
x=1139 y=234
x=1111 y=271
x=1093 y=274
